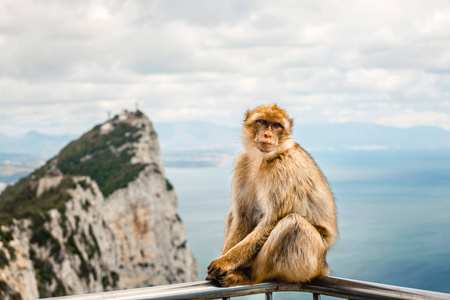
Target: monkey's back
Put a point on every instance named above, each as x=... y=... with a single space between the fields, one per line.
x=315 y=201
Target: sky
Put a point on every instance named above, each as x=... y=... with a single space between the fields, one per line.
x=64 y=65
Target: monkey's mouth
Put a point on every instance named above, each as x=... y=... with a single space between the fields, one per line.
x=265 y=147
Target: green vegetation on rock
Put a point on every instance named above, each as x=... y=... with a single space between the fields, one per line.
x=86 y=205
x=43 y=238
x=45 y=275
x=106 y=282
x=5 y=236
x=85 y=267
x=97 y=155
x=20 y=200
x=6 y=290
x=115 y=278
x=94 y=239
x=169 y=185
x=3 y=259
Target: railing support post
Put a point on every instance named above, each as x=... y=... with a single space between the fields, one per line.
x=268 y=296
x=316 y=296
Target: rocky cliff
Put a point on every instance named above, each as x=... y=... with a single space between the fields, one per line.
x=99 y=216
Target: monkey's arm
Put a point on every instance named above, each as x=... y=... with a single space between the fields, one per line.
x=244 y=251
x=238 y=224
x=236 y=230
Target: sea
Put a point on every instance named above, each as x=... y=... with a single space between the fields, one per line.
x=393 y=210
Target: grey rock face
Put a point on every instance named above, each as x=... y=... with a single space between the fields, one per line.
x=131 y=238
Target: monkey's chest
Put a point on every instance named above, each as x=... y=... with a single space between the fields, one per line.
x=257 y=215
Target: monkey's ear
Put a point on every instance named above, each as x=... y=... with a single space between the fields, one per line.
x=291 y=123
x=247 y=114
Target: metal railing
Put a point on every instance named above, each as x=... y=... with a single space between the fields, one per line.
x=331 y=286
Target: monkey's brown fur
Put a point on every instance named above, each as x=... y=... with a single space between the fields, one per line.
x=282 y=218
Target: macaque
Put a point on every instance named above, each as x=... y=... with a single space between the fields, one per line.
x=282 y=218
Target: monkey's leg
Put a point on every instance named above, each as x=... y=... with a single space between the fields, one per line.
x=294 y=252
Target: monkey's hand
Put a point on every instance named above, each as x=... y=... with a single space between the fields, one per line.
x=231 y=278
x=219 y=268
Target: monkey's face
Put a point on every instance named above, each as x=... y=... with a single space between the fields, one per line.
x=267 y=134
x=266 y=128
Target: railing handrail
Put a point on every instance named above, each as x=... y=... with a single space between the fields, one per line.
x=331 y=286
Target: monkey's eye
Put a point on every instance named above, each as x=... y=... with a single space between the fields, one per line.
x=263 y=122
x=277 y=126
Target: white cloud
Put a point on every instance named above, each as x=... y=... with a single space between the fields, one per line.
x=414 y=118
x=65 y=64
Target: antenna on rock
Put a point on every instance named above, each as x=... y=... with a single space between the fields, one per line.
x=137 y=105
x=109 y=114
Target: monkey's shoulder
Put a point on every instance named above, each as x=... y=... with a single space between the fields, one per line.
x=295 y=155
x=242 y=162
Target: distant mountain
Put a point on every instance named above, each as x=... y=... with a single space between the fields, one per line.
x=34 y=143
x=179 y=135
x=356 y=136
x=197 y=144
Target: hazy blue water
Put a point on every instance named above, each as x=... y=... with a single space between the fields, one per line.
x=393 y=215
